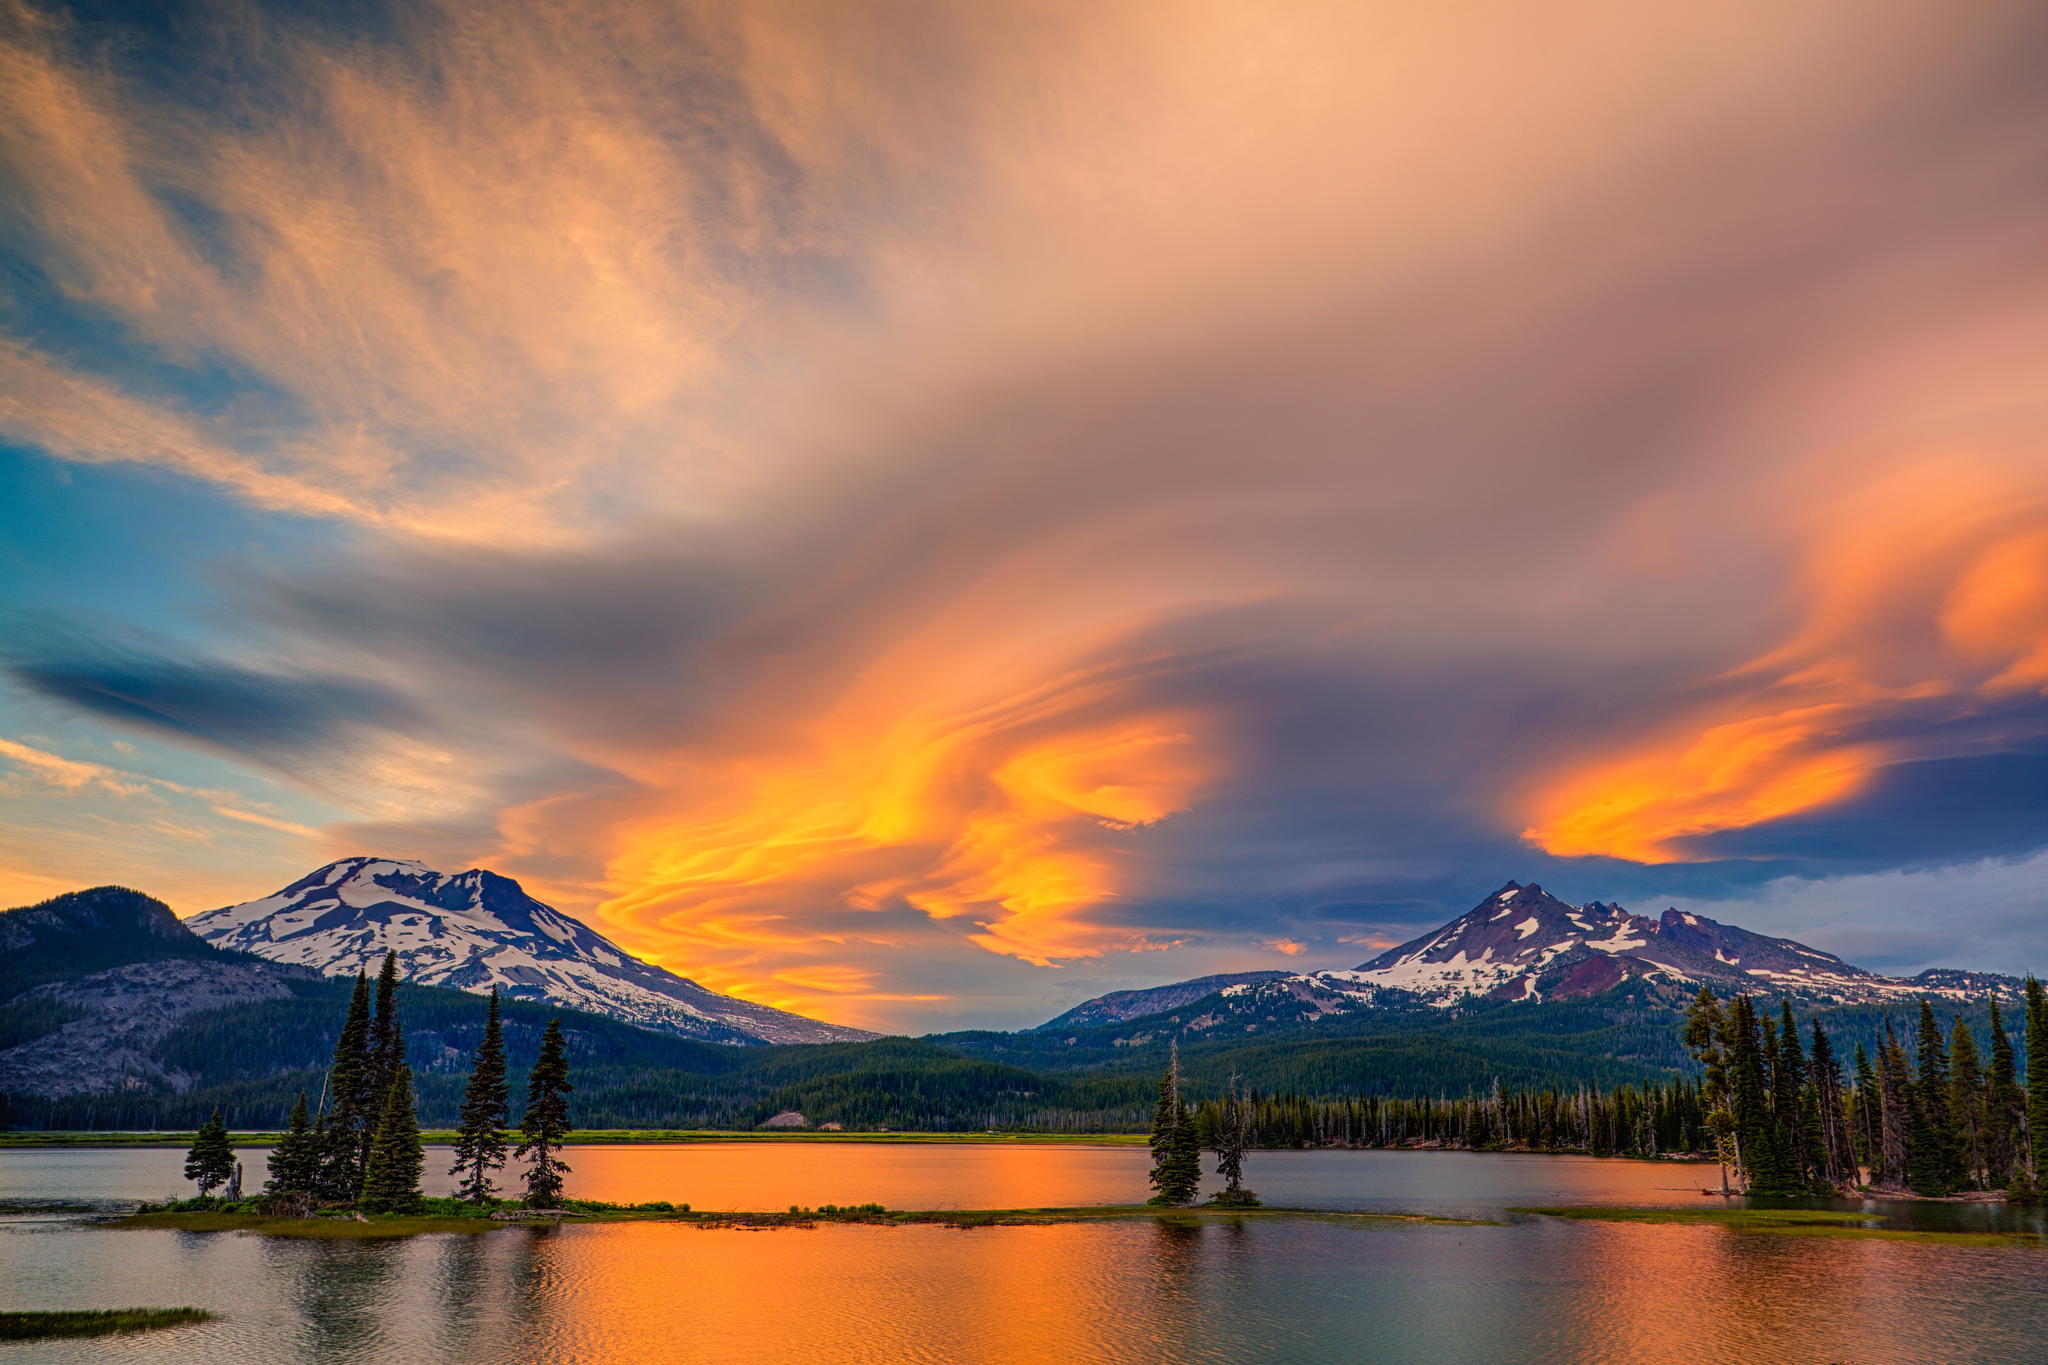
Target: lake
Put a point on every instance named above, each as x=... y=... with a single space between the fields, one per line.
x=1284 y=1291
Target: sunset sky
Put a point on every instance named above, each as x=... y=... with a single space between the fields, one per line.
x=924 y=512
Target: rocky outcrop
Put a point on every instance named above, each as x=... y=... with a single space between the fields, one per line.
x=123 y=1013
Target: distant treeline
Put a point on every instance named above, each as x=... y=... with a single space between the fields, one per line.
x=1660 y=1120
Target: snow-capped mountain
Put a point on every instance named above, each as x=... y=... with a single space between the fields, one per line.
x=474 y=930
x=1523 y=944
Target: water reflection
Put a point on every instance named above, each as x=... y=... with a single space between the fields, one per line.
x=1131 y=1293
x=343 y=1292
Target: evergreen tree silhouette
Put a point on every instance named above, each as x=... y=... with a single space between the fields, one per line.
x=1930 y=1156
x=295 y=1160
x=546 y=1121
x=1233 y=1136
x=1968 y=1106
x=1760 y=1146
x=352 y=1105
x=391 y=1180
x=2037 y=1083
x=1176 y=1153
x=2005 y=1106
x=480 y=1141
x=211 y=1161
x=1833 y=1144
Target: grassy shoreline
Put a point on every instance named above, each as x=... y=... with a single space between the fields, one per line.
x=1826 y=1223
x=610 y=1136
x=869 y=1215
x=443 y=1215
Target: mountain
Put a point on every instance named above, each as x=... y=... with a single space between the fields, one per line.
x=1118 y=1006
x=93 y=981
x=114 y=1014
x=474 y=930
x=1521 y=944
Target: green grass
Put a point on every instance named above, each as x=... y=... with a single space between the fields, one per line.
x=1830 y=1223
x=588 y=1211
x=95 y=1322
x=583 y=1136
x=340 y=1229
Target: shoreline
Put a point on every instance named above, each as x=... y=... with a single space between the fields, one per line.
x=603 y=1137
x=631 y=1137
x=590 y=1214
x=1833 y=1224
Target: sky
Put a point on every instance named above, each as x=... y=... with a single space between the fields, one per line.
x=921 y=513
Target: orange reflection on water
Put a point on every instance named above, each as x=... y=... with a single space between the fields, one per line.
x=630 y=1294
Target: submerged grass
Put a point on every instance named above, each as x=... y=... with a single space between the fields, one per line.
x=1832 y=1223
x=98 y=1322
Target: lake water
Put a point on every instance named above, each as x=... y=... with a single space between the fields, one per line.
x=1278 y=1291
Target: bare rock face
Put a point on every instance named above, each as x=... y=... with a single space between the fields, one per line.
x=474 y=930
x=126 y=1011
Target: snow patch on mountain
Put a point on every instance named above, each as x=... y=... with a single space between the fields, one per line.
x=475 y=930
x=1523 y=944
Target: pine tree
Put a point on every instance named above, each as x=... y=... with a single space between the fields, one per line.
x=352 y=1106
x=546 y=1121
x=1176 y=1172
x=1895 y=1106
x=391 y=1179
x=1704 y=1028
x=1930 y=1158
x=295 y=1160
x=1788 y=1099
x=1834 y=1147
x=1967 y=1105
x=1760 y=1148
x=2004 y=1105
x=1233 y=1136
x=2037 y=1083
x=386 y=1048
x=211 y=1161
x=1869 y=1112
x=387 y=1039
x=480 y=1144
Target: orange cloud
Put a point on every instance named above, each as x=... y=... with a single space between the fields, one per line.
x=1732 y=775
x=1008 y=817
x=1924 y=591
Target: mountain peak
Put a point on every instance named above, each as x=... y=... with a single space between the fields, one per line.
x=1522 y=944
x=477 y=929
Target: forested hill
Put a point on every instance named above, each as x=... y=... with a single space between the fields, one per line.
x=251 y=1059
x=250 y=1054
